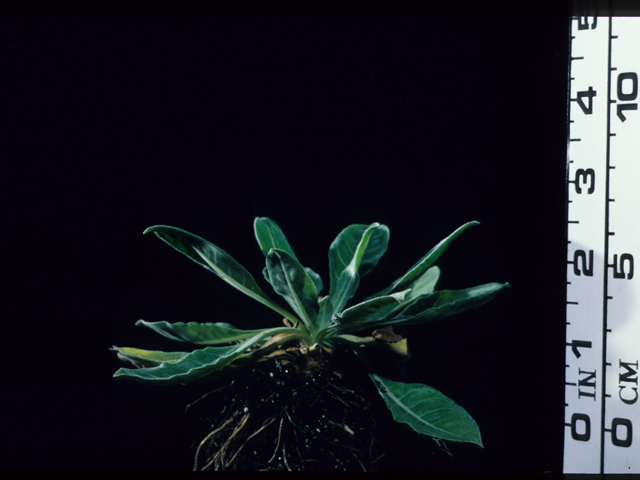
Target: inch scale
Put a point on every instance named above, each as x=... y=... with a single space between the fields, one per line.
x=602 y=404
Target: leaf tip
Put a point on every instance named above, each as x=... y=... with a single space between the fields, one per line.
x=152 y=229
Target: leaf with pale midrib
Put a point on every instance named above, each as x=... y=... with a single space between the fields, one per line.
x=290 y=280
x=424 y=263
x=343 y=249
x=217 y=261
x=203 y=363
x=427 y=411
x=200 y=333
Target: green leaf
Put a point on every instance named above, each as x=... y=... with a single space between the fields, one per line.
x=269 y=235
x=425 y=262
x=427 y=411
x=315 y=278
x=441 y=304
x=349 y=253
x=356 y=343
x=290 y=280
x=217 y=261
x=421 y=287
x=194 y=366
x=204 y=363
x=424 y=285
x=146 y=358
x=362 y=311
x=343 y=249
x=324 y=315
x=200 y=333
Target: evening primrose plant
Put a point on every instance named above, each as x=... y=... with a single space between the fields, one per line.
x=316 y=326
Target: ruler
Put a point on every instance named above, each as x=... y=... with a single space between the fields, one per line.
x=602 y=401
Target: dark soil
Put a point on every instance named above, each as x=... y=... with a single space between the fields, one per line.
x=277 y=418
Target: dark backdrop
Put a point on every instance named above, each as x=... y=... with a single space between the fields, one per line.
x=112 y=124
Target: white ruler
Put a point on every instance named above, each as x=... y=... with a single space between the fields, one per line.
x=602 y=401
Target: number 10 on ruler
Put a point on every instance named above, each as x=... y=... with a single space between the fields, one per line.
x=602 y=404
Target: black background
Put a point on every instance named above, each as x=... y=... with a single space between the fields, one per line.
x=112 y=124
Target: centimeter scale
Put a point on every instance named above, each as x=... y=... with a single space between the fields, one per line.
x=602 y=404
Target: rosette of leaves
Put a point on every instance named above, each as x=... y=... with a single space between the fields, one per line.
x=314 y=322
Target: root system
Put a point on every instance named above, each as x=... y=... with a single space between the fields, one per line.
x=277 y=417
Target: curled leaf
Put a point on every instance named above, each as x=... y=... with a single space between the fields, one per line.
x=146 y=358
